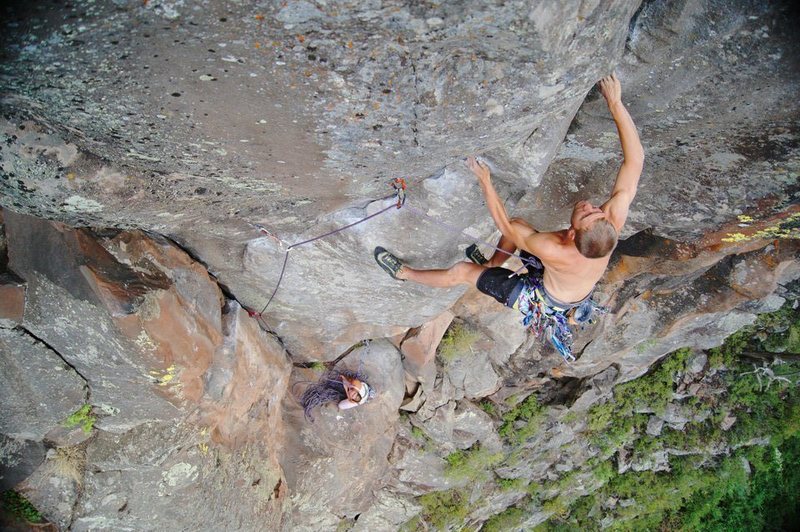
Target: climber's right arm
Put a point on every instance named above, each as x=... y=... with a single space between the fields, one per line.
x=495 y=204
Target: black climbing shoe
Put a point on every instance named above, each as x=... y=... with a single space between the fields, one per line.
x=474 y=254
x=388 y=262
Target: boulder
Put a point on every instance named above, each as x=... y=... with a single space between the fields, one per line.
x=419 y=349
x=245 y=385
x=18 y=459
x=54 y=487
x=654 y=426
x=38 y=389
x=64 y=310
x=696 y=363
x=388 y=512
x=134 y=476
x=472 y=375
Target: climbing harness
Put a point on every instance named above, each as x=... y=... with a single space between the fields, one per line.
x=545 y=321
x=551 y=319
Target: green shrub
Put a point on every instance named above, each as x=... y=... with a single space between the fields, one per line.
x=457 y=341
x=655 y=389
x=600 y=417
x=528 y=411
x=442 y=509
x=779 y=331
x=570 y=417
x=488 y=407
x=17 y=505
x=558 y=506
x=508 y=519
x=604 y=472
x=83 y=417
x=702 y=492
x=512 y=484
x=473 y=463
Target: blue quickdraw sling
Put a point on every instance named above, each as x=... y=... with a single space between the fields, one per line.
x=550 y=320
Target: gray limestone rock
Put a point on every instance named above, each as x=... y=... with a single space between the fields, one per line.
x=659 y=461
x=355 y=94
x=471 y=425
x=54 y=487
x=654 y=426
x=38 y=389
x=239 y=130
x=134 y=476
x=696 y=363
x=64 y=311
x=388 y=512
x=472 y=375
x=18 y=459
x=675 y=415
x=420 y=472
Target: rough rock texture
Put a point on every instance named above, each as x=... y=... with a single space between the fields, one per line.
x=40 y=390
x=12 y=300
x=189 y=123
x=337 y=463
x=65 y=311
x=18 y=459
x=182 y=120
x=185 y=390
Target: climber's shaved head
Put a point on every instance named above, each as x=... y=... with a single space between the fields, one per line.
x=595 y=236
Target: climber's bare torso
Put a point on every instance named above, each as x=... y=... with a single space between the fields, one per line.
x=568 y=275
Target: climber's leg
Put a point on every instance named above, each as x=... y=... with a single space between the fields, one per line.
x=459 y=273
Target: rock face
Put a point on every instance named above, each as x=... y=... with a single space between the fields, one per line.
x=40 y=389
x=200 y=141
x=178 y=384
x=313 y=107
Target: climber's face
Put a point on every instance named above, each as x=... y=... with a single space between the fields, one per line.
x=584 y=214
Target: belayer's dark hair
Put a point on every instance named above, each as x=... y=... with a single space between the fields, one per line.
x=328 y=388
x=597 y=241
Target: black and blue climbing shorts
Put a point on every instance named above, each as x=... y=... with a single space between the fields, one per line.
x=503 y=285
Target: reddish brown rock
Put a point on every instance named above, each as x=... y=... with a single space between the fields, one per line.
x=12 y=299
x=419 y=350
x=246 y=383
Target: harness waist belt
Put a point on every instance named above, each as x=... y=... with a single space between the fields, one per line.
x=541 y=294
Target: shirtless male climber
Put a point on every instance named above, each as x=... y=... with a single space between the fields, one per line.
x=563 y=266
